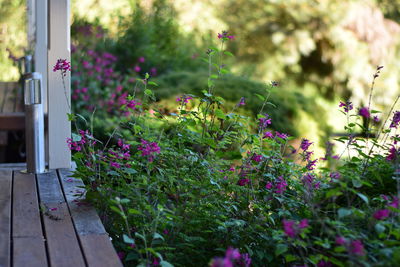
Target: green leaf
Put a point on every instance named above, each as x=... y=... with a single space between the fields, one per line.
x=127 y=239
x=228 y=54
x=379 y=228
x=152 y=83
x=220 y=114
x=262 y=98
x=158 y=236
x=363 y=197
x=148 y=92
x=76 y=137
x=134 y=211
x=166 y=264
x=140 y=236
x=343 y=212
x=280 y=249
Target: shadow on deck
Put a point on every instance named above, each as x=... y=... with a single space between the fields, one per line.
x=44 y=222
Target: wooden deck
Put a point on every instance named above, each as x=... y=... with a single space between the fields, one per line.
x=43 y=222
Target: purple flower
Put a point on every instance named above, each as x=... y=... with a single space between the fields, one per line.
x=243 y=182
x=63 y=65
x=256 y=158
x=153 y=71
x=289 y=228
x=376 y=119
x=149 y=149
x=392 y=154
x=121 y=255
x=224 y=35
x=346 y=106
x=185 y=99
x=305 y=144
x=311 y=164
x=281 y=185
x=323 y=263
x=281 y=135
x=264 y=122
x=137 y=69
x=381 y=214
x=241 y=102
x=335 y=175
x=364 y=112
x=268 y=135
x=395 y=120
x=115 y=164
x=395 y=203
x=132 y=104
x=303 y=224
x=357 y=248
x=141 y=59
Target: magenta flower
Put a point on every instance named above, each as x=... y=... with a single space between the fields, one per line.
x=137 y=69
x=381 y=214
x=63 y=65
x=376 y=119
x=243 y=182
x=392 y=154
x=141 y=59
x=268 y=135
x=289 y=228
x=241 y=102
x=303 y=224
x=132 y=104
x=281 y=135
x=232 y=258
x=340 y=240
x=224 y=35
x=280 y=185
x=268 y=185
x=357 y=248
x=395 y=203
x=335 y=175
x=346 y=106
x=323 y=263
x=115 y=164
x=149 y=149
x=364 y=112
x=395 y=120
x=256 y=158
x=185 y=99
x=153 y=71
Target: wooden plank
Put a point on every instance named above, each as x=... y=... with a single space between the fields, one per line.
x=25 y=207
x=10 y=97
x=29 y=251
x=62 y=242
x=59 y=127
x=63 y=245
x=99 y=251
x=12 y=121
x=49 y=188
x=5 y=217
x=85 y=217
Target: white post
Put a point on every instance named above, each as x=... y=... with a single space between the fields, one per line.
x=59 y=128
x=40 y=57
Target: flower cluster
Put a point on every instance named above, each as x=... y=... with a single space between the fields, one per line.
x=309 y=181
x=264 y=121
x=63 y=65
x=395 y=120
x=279 y=185
x=346 y=106
x=121 y=153
x=354 y=247
x=232 y=258
x=305 y=145
x=225 y=36
x=83 y=138
x=149 y=149
x=184 y=99
x=292 y=229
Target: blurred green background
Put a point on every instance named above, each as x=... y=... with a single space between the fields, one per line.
x=320 y=52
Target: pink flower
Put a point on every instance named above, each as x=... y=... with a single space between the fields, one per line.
x=268 y=185
x=224 y=35
x=357 y=248
x=63 y=65
x=381 y=214
x=289 y=228
x=149 y=149
x=340 y=240
x=303 y=224
x=243 y=182
x=137 y=69
x=115 y=164
x=141 y=59
x=256 y=158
